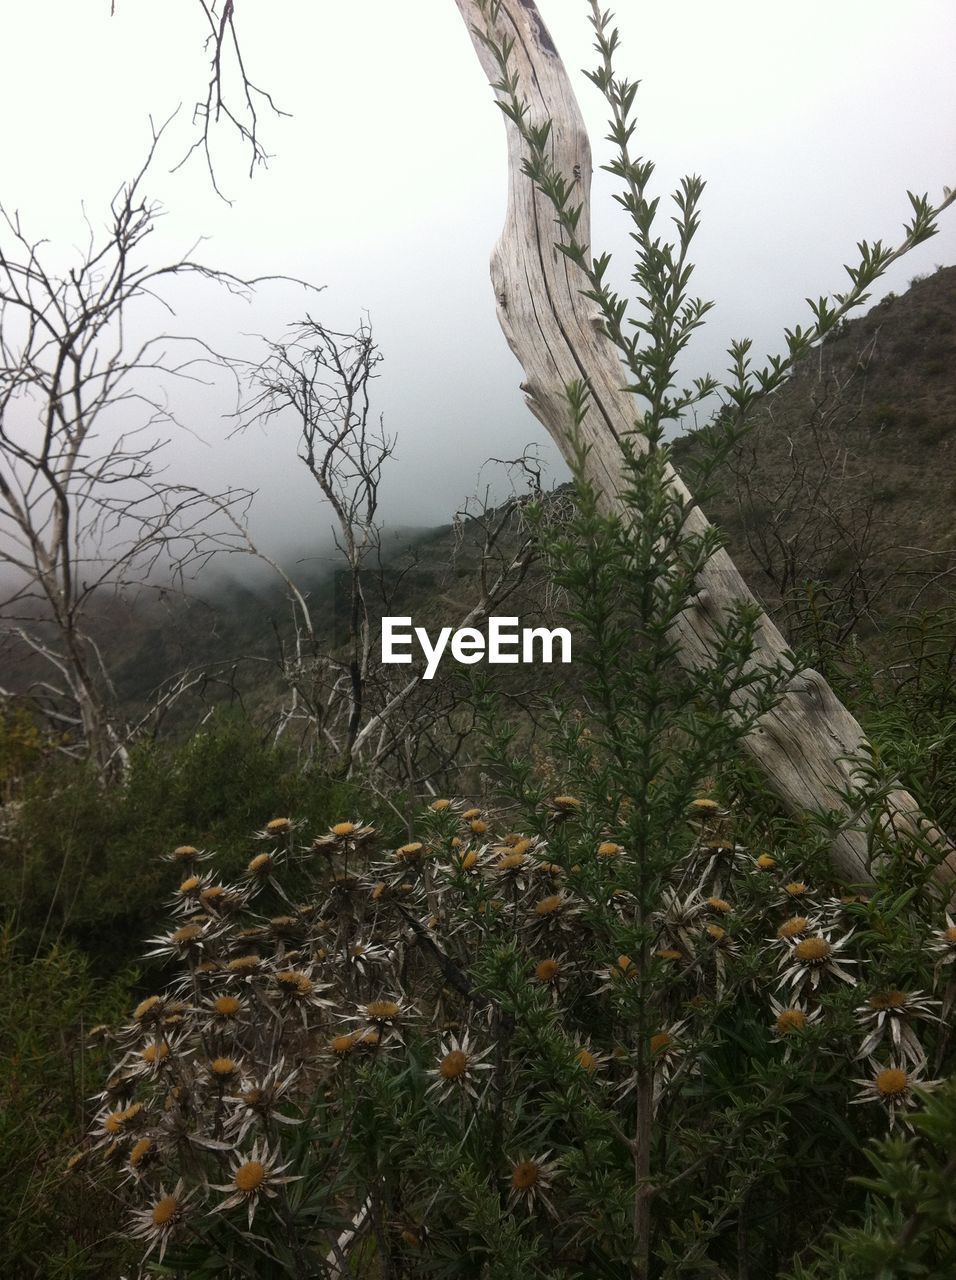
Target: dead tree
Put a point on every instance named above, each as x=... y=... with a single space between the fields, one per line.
x=806 y=745
x=86 y=511
x=421 y=728
x=231 y=97
x=341 y=697
x=321 y=379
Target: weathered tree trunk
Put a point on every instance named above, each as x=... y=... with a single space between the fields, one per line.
x=803 y=744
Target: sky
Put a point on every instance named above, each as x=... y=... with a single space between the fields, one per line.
x=387 y=187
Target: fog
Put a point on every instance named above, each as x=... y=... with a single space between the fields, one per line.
x=387 y=189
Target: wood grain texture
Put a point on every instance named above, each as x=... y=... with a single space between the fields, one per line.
x=802 y=745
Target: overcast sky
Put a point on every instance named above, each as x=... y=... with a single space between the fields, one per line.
x=387 y=185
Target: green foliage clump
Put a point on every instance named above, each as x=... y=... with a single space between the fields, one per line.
x=580 y=1031
x=81 y=858
x=909 y=1228
x=52 y=1227
x=21 y=749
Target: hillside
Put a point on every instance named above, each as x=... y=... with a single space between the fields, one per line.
x=848 y=476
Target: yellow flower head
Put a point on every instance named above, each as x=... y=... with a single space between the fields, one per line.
x=704 y=807
x=151 y=1005
x=524 y=1175
x=188 y=933
x=140 y=1150
x=511 y=862
x=813 y=950
x=383 y=1010
x=887 y=999
x=891 y=1082
x=410 y=852
x=791 y=1020
x=250 y=1176
x=550 y=905
x=453 y=1065
x=164 y=1211
x=294 y=982
x=793 y=927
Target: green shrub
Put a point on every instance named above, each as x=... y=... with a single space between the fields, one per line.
x=21 y=749
x=908 y=706
x=909 y=1227
x=51 y=1227
x=489 y=1048
x=81 y=861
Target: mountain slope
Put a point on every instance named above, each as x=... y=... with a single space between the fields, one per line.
x=848 y=474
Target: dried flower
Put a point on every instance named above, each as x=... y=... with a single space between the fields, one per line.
x=253 y=1178
x=457 y=1066
x=891 y=1011
x=530 y=1181
x=806 y=961
x=159 y=1220
x=892 y=1087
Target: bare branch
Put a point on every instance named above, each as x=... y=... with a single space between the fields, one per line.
x=85 y=504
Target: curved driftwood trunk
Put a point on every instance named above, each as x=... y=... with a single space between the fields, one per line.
x=801 y=745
